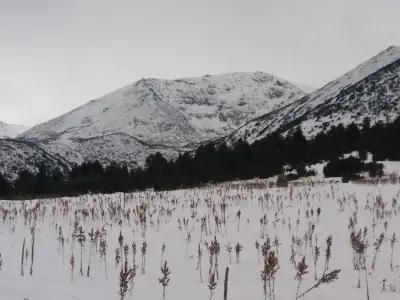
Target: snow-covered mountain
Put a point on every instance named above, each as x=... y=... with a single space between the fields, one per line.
x=370 y=90
x=173 y=112
x=172 y=116
x=11 y=130
x=168 y=116
x=162 y=115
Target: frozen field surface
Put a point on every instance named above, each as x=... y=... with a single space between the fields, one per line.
x=295 y=220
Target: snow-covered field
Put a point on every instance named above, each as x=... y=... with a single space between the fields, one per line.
x=247 y=213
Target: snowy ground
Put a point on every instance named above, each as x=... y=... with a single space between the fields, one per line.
x=174 y=218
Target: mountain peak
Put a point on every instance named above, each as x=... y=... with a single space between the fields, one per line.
x=375 y=63
x=259 y=77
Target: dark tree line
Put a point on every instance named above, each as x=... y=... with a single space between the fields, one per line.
x=351 y=167
x=213 y=163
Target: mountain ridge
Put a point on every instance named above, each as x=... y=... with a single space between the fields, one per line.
x=290 y=116
x=156 y=115
x=175 y=116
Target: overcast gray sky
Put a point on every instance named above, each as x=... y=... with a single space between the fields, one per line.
x=56 y=55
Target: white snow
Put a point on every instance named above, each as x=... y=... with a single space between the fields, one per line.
x=391 y=167
x=284 y=208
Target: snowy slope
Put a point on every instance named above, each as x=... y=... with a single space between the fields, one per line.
x=308 y=89
x=11 y=130
x=370 y=90
x=169 y=116
x=18 y=155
